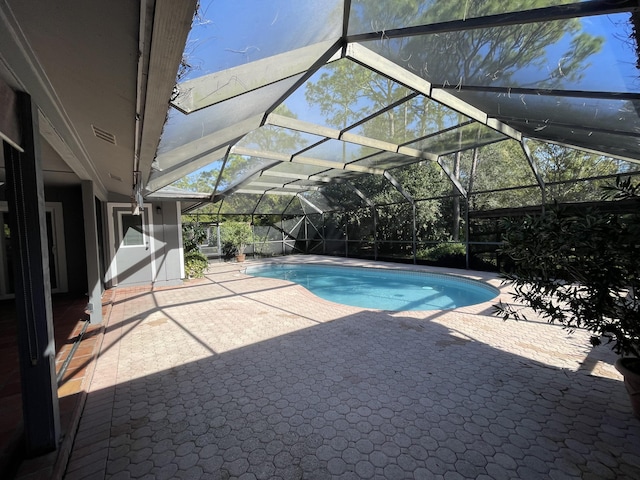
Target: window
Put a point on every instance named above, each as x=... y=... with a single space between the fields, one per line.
x=132 y=232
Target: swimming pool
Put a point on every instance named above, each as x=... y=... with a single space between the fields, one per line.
x=381 y=289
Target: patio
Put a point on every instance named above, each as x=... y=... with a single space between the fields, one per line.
x=239 y=377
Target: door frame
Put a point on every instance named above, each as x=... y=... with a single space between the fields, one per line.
x=59 y=250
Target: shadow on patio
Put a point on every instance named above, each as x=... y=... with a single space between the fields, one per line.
x=249 y=377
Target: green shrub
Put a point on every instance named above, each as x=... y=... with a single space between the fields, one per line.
x=579 y=269
x=451 y=255
x=195 y=264
x=443 y=251
x=193 y=235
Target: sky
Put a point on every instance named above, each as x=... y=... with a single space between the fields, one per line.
x=230 y=33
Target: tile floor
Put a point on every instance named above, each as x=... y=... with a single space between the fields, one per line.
x=68 y=320
x=239 y=377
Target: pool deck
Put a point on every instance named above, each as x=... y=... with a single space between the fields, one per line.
x=252 y=378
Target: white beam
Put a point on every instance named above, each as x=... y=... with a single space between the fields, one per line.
x=586 y=149
x=368 y=142
x=202 y=145
x=311 y=205
x=308 y=127
x=415 y=153
x=162 y=179
x=318 y=162
x=294 y=176
x=392 y=70
x=302 y=126
x=281 y=157
x=9 y=121
x=386 y=67
x=363 y=169
x=217 y=87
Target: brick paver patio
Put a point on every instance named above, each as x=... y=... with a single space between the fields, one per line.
x=250 y=378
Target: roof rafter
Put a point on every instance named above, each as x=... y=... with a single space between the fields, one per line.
x=546 y=92
x=398 y=186
x=280 y=157
x=202 y=92
x=189 y=157
x=164 y=178
x=333 y=51
x=545 y=14
x=333 y=133
x=389 y=69
x=584 y=149
x=310 y=204
x=574 y=126
x=452 y=178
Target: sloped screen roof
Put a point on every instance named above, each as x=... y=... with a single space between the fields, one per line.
x=282 y=98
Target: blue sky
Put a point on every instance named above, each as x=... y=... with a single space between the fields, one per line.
x=231 y=33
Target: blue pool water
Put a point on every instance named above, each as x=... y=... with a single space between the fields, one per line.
x=379 y=289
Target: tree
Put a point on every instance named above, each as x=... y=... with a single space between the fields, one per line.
x=579 y=268
x=198 y=181
x=424 y=181
x=500 y=166
x=237 y=235
x=485 y=56
x=559 y=166
x=346 y=92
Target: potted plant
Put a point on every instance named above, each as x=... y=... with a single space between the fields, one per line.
x=238 y=235
x=579 y=267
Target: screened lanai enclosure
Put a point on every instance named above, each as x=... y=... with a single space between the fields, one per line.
x=398 y=129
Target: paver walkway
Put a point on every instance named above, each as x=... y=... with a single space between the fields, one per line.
x=239 y=377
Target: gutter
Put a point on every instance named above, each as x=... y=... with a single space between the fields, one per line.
x=144 y=41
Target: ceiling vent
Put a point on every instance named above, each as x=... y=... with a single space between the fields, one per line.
x=104 y=135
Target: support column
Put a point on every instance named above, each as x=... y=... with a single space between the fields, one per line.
x=534 y=169
x=374 y=213
x=94 y=282
x=324 y=236
x=25 y=196
x=414 y=238
x=306 y=234
x=467 y=231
